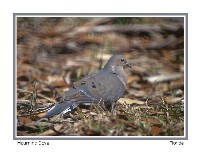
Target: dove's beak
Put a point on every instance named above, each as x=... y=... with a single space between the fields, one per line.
x=128 y=65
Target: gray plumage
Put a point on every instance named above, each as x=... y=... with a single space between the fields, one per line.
x=106 y=86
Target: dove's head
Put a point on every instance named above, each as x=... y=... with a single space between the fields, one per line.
x=117 y=60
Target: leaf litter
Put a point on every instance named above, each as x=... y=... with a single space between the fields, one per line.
x=52 y=53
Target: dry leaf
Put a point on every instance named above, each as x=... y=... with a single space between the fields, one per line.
x=129 y=123
x=153 y=112
x=132 y=79
x=154 y=121
x=172 y=100
x=47 y=133
x=25 y=120
x=164 y=78
x=155 y=131
x=129 y=101
x=137 y=93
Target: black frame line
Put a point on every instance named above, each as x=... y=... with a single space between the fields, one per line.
x=185 y=137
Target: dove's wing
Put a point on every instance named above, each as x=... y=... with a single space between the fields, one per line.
x=104 y=85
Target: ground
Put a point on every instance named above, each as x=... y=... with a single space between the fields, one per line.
x=52 y=53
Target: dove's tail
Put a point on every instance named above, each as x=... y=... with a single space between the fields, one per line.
x=60 y=108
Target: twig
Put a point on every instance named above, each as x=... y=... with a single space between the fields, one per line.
x=129 y=28
x=35 y=112
x=164 y=78
x=39 y=95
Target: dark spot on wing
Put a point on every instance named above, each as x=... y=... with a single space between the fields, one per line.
x=83 y=83
x=59 y=100
x=94 y=86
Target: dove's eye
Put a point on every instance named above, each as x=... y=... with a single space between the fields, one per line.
x=122 y=59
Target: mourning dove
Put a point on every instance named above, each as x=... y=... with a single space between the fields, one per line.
x=105 y=86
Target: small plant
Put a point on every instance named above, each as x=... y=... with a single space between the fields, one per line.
x=122 y=20
x=41 y=128
x=179 y=58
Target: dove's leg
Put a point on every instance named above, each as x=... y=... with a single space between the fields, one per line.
x=102 y=105
x=113 y=106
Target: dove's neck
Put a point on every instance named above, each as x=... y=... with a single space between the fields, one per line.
x=119 y=71
x=122 y=75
